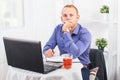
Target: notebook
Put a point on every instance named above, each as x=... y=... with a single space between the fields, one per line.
x=59 y=58
x=27 y=55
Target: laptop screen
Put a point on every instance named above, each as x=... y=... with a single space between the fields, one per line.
x=24 y=54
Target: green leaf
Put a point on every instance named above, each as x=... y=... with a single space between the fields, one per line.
x=101 y=42
x=104 y=9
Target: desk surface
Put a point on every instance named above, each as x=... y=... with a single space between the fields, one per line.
x=60 y=74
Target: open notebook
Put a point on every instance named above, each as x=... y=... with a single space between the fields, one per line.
x=60 y=59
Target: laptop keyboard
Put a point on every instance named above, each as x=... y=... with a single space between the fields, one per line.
x=48 y=68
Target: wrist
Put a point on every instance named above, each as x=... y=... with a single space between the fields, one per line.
x=67 y=30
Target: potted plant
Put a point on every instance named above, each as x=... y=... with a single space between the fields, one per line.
x=104 y=9
x=101 y=43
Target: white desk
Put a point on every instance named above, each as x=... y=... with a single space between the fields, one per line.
x=60 y=74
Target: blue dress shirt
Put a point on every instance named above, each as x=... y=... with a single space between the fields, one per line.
x=77 y=43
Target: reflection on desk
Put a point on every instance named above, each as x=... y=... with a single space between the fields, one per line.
x=60 y=74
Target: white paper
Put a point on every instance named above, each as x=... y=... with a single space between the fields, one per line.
x=60 y=59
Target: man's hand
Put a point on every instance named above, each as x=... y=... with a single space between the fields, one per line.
x=66 y=27
x=49 y=53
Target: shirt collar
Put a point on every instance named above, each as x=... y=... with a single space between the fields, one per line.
x=76 y=30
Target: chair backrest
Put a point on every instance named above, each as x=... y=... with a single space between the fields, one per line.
x=97 y=60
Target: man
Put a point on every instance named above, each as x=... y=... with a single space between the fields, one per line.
x=70 y=37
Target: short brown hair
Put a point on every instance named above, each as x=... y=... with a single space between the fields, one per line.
x=71 y=6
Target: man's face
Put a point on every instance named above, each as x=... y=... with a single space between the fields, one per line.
x=69 y=15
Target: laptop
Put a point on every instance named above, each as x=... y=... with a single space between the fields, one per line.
x=27 y=55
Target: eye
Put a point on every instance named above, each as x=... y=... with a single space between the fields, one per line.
x=64 y=15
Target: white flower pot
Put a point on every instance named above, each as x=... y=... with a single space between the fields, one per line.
x=105 y=16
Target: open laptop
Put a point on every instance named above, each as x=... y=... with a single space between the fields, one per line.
x=27 y=55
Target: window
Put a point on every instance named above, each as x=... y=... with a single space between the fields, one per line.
x=11 y=13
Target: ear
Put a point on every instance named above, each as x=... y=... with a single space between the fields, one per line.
x=78 y=17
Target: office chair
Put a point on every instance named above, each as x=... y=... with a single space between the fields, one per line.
x=97 y=60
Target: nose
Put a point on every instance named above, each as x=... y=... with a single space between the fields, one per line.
x=68 y=17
